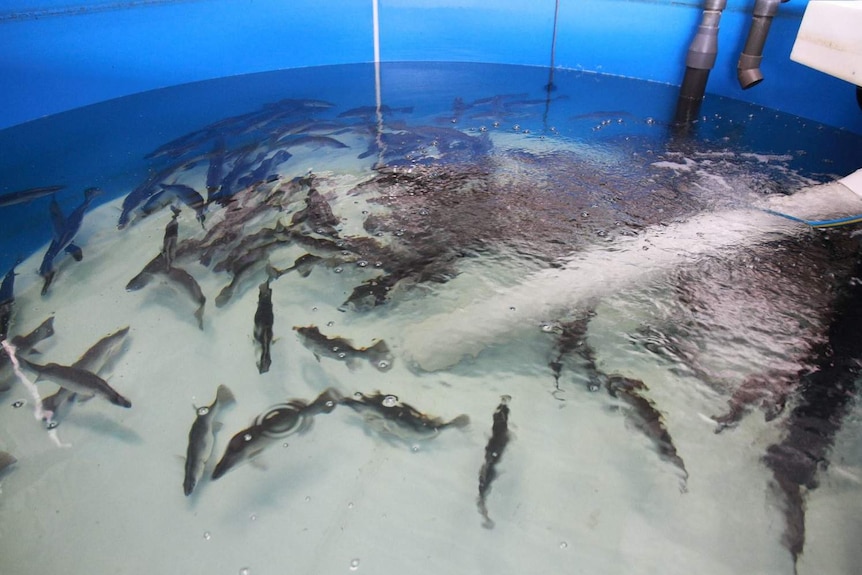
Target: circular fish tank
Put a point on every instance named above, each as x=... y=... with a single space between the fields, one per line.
x=486 y=315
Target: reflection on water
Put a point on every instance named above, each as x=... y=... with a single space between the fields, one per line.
x=259 y=265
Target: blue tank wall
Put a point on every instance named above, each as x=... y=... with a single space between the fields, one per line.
x=60 y=54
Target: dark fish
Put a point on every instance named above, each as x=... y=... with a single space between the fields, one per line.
x=263 y=320
x=215 y=168
x=572 y=340
x=303 y=266
x=7 y=300
x=190 y=286
x=493 y=453
x=27 y=195
x=202 y=437
x=251 y=263
x=646 y=418
x=63 y=236
x=80 y=381
x=824 y=399
x=6 y=461
x=343 y=350
x=169 y=242
x=23 y=344
x=190 y=197
x=265 y=169
x=388 y=415
x=99 y=359
x=282 y=420
x=140 y=195
x=317 y=215
x=145 y=276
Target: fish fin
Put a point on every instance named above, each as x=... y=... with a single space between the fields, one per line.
x=217 y=425
x=76 y=252
x=224 y=395
x=258 y=464
x=460 y=422
x=352 y=363
x=85 y=397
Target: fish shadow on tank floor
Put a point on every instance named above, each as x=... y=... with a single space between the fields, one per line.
x=102 y=424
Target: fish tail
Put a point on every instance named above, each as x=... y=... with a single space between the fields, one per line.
x=199 y=314
x=379 y=355
x=483 y=511
x=460 y=422
x=273 y=273
x=328 y=400
x=224 y=396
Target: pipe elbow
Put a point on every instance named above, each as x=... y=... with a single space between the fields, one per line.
x=748 y=69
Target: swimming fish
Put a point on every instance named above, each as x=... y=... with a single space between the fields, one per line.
x=7 y=299
x=387 y=414
x=343 y=350
x=27 y=195
x=189 y=197
x=303 y=266
x=99 y=359
x=23 y=344
x=202 y=437
x=190 y=286
x=270 y=427
x=646 y=418
x=317 y=215
x=80 y=381
x=493 y=453
x=573 y=341
x=263 y=320
x=65 y=230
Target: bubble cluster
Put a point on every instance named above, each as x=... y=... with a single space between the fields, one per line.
x=354 y=564
x=390 y=401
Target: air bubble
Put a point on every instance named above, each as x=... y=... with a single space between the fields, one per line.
x=516 y=127
x=350 y=505
x=338 y=270
x=414 y=448
x=585 y=214
x=547 y=327
x=203 y=410
x=244 y=571
x=383 y=364
x=53 y=424
x=248 y=437
x=284 y=444
x=362 y=263
x=330 y=323
x=342 y=355
x=354 y=565
x=563 y=544
x=253 y=517
x=314 y=308
x=512 y=308
x=308 y=498
x=19 y=403
x=390 y=401
x=208 y=535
